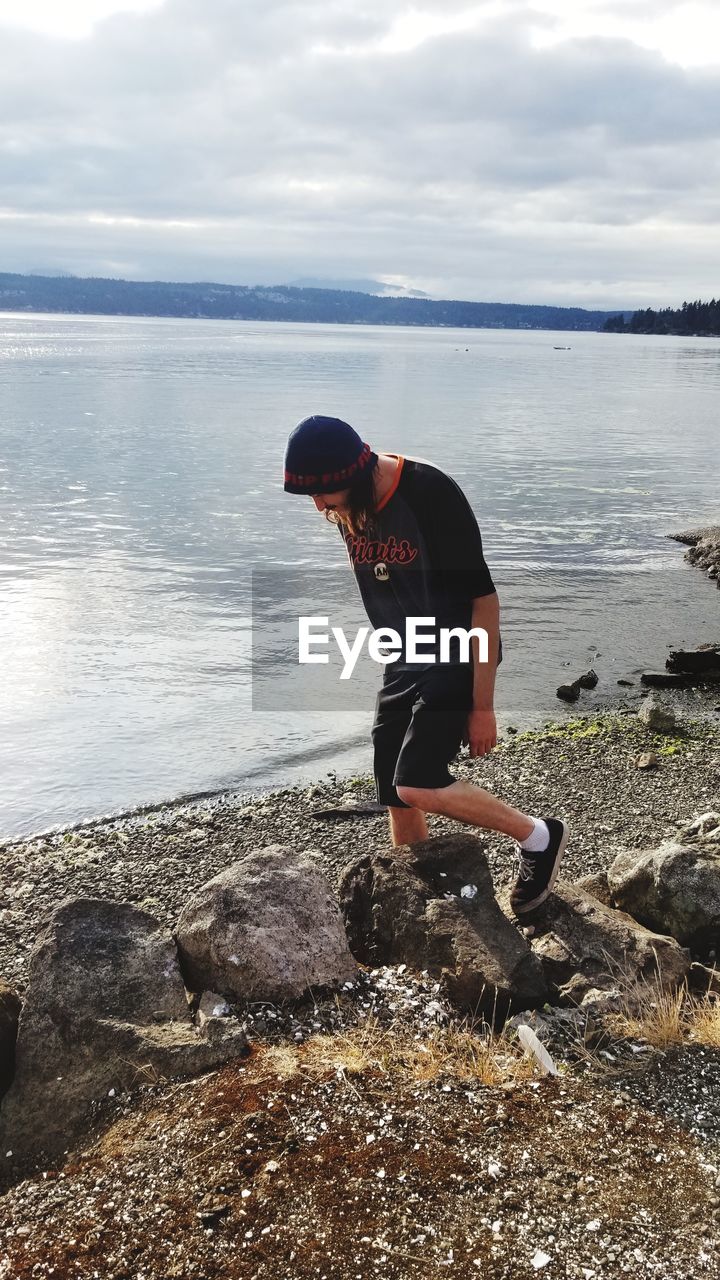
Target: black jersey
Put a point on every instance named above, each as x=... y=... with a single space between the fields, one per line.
x=423 y=554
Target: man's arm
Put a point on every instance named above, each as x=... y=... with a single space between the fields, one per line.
x=482 y=727
x=485 y=614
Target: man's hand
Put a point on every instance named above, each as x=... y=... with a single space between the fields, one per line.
x=481 y=731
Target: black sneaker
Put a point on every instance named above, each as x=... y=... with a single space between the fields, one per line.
x=538 y=871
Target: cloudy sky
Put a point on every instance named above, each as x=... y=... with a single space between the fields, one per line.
x=556 y=151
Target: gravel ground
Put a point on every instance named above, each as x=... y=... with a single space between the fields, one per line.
x=274 y=1167
x=583 y=770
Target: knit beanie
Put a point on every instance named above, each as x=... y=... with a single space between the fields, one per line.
x=325 y=455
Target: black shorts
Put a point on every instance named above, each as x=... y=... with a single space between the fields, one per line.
x=420 y=722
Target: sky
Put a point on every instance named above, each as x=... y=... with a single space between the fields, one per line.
x=563 y=152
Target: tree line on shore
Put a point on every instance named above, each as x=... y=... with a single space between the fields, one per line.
x=94 y=296
x=692 y=319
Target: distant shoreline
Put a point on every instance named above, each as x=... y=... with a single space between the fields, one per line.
x=157 y=299
x=339 y=324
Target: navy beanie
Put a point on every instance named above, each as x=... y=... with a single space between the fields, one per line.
x=325 y=455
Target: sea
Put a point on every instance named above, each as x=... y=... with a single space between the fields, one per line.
x=148 y=549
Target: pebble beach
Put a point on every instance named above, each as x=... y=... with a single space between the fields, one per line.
x=583 y=769
x=372 y=1132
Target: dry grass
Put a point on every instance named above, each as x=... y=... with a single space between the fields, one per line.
x=652 y=1014
x=665 y=1018
x=471 y=1054
x=705 y=1024
x=468 y=1053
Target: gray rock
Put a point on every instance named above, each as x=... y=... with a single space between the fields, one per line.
x=596 y=885
x=212 y=1005
x=674 y=888
x=408 y=907
x=705 y=827
x=704 y=546
x=266 y=928
x=647 y=760
x=704 y=549
x=704 y=533
x=105 y=1009
x=9 y=1013
x=660 y=719
x=583 y=944
x=596 y=1003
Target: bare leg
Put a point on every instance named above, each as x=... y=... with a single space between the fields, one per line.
x=470 y=804
x=407 y=826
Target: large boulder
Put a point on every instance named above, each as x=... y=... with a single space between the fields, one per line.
x=266 y=928
x=584 y=945
x=105 y=1009
x=9 y=1014
x=431 y=905
x=674 y=889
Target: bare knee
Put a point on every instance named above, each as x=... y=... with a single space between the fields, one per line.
x=426 y=798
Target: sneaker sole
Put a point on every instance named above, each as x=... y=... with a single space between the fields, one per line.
x=537 y=902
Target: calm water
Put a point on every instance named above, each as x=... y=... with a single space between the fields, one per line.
x=140 y=483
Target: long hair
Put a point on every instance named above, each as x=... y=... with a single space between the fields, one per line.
x=359 y=517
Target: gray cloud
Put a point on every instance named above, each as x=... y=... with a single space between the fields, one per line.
x=288 y=143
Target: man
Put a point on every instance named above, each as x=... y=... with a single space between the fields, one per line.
x=416 y=551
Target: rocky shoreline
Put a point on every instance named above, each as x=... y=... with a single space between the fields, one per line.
x=584 y=769
x=373 y=1130
x=704 y=544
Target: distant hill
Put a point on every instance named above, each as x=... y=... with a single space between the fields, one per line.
x=377 y=288
x=91 y=295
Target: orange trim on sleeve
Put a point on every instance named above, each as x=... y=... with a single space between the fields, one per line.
x=395 y=482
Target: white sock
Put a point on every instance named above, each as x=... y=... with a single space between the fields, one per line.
x=539 y=837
